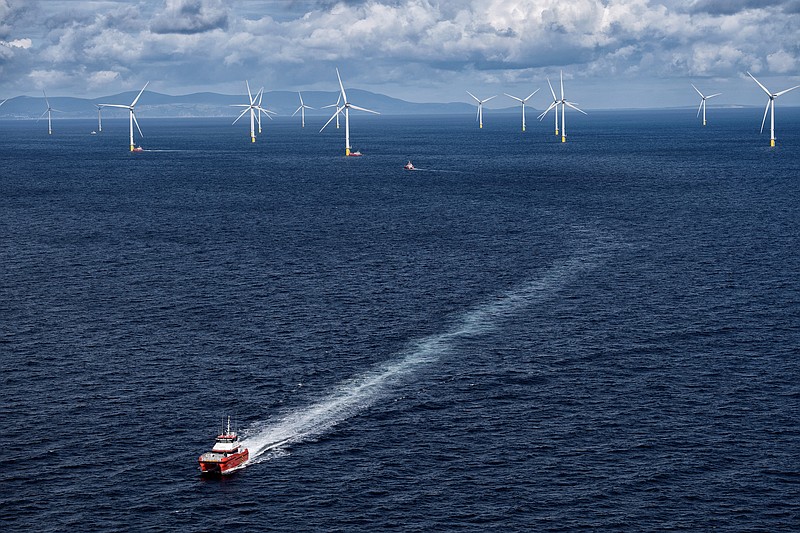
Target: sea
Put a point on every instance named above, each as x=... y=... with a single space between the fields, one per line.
x=521 y=335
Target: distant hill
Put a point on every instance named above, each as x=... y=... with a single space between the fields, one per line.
x=206 y=104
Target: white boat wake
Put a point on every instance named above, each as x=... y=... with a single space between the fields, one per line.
x=359 y=393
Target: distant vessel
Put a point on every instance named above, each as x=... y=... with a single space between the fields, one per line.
x=138 y=149
x=226 y=455
x=93 y=133
x=409 y=166
x=355 y=154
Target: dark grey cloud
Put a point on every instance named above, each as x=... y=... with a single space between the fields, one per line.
x=191 y=16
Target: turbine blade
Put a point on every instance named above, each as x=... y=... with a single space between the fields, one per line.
x=297 y=110
x=529 y=96
x=362 y=109
x=514 y=97
x=551 y=90
x=562 y=84
x=140 y=94
x=787 y=90
x=301 y=98
x=137 y=123
x=699 y=108
x=42 y=115
x=341 y=85
x=712 y=95
x=698 y=91
x=495 y=96
x=760 y=85
x=473 y=96
x=45 y=99
x=260 y=96
x=249 y=94
x=766 y=110
x=338 y=110
x=247 y=108
x=551 y=106
x=116 y=105
x=573 y=106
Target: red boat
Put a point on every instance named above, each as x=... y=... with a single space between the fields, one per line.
x=355 y=154
x=409 y=166
x=226 y=455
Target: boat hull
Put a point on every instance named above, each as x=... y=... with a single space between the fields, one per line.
x=218 y=464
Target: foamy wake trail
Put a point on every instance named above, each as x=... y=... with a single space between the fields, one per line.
x=359 y=393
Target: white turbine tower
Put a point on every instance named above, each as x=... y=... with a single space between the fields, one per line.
x=770 y=108
x=564 y=104
x=703 y=102
x=132 y=116
x=302 y=110
x=479 y=117
x=99 y=118
x=346 y=107
x=522 y=101
x=47 y=112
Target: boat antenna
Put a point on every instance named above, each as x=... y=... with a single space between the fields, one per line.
x=229 y=425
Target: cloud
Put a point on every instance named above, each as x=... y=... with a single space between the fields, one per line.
x=191 y=16
x=17 y=43
x=102 y=78
x=781 y=62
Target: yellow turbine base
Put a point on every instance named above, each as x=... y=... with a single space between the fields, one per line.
x=252 y=139
x=132 y=148
x=556 y=133
x=347 y=151
x=480 y=126
x=523 y=129
x=563 y=138
x=772 y=142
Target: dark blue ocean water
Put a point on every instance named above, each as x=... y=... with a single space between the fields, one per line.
x=524 y=336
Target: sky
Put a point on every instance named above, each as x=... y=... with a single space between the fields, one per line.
x=613 y=53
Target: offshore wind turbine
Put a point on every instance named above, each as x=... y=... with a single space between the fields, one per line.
x=770 y=108
x=522 y=101
x=252 y=107
x=551 y=106
x=703 y=102
x=47 y=112
x=346 y=107
x=263 y=110
x=132 y=116
x=479 y=117
x=302 y=110
x=564 y=104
